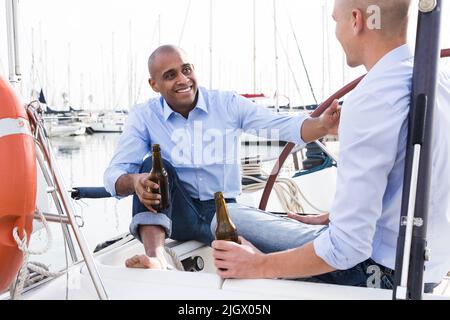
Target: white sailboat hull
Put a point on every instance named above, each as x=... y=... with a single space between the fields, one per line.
x=122 y=283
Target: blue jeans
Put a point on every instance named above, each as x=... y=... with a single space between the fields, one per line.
x=272 y=233
x=186 y=218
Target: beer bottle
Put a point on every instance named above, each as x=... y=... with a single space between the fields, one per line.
x=225 y=229
x=159 y=176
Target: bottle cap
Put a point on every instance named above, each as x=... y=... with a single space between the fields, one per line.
x=156 y=148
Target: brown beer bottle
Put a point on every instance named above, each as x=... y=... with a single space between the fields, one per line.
x=225 y=229
x=159 y=176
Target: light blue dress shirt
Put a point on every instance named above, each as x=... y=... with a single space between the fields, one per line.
x=365 y=214
x=205 y=148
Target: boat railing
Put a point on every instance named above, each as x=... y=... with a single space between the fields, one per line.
x=61 y=199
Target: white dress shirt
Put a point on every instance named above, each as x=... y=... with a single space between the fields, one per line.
x=365 y=213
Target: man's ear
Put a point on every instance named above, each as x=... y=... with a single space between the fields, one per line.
x=357 y=21
x=153 y=85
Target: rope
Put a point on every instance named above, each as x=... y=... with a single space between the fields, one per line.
x=175 y=259
x=23 y=278
x=287 y=191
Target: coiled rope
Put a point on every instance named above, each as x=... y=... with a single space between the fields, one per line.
x=174 y=259
x=23 y=278
x=287 y=191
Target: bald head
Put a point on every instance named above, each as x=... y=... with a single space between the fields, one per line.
x=393 y=14
x=161 y=51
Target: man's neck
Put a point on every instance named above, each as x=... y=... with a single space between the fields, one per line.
x=378 y=49
x=185 y=111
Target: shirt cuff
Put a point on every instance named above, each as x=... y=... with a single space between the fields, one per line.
x=297 y=133
x=110 y=180
x=324 y=249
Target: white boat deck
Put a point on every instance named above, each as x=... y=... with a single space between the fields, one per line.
x=122 y=283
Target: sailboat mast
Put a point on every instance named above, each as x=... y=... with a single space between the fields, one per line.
x=254 y=46
x=68 y=73
x=13 y=42
x=130 y=71
x=42 y=71
x=323 y=49
x=113 y=75
x=44 y=65
x=159 y=30
x=210 y=44
x=277 y=100
x=33 y=67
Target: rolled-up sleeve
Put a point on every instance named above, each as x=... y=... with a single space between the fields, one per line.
x=369 y=139
x=132 y=147
x=265 y=123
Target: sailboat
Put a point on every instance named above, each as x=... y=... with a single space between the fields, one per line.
x=102 y=275
x=62 y=123
x=110 y=121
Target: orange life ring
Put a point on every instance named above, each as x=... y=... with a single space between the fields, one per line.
x=17 y=181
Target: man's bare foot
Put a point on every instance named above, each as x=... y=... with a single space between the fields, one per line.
x=144 y=262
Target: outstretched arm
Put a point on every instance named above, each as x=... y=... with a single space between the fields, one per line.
x=296 y=263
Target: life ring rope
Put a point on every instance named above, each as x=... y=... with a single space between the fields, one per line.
x=41 y=269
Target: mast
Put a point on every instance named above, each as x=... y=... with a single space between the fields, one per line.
x=68 y=73
x=159 y=30
x=15 y=75
x=323 y=49
x=411 y=247
x=44 y=66
x=45 y=157
x=277 y=97
x=106 y=97
x=210 y=44
x=33 y=67
x=113 y=75
x=130 y=71
x=81 y=91
x=254 y=46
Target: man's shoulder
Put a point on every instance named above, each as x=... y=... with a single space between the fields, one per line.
x=216 y=94
x=390 y=86
x=150 y=104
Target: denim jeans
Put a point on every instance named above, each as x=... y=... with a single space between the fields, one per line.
x=272 y=233
x=186 y=218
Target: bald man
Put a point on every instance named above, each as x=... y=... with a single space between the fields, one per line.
x=356 y=242
x=198 y=131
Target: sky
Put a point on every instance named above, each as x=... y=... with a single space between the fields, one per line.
x=96 y=51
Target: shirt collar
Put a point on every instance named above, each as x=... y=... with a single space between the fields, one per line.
x=201 y=105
